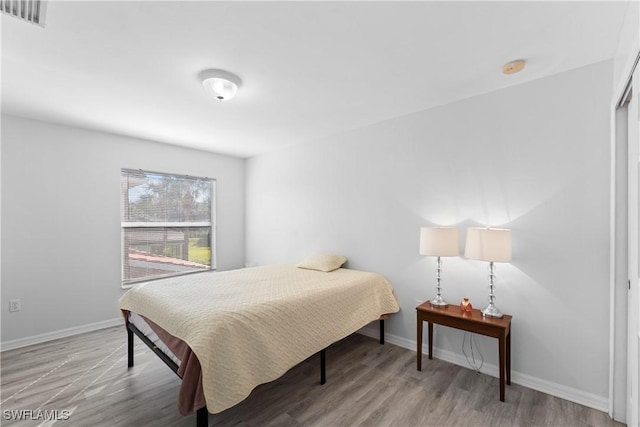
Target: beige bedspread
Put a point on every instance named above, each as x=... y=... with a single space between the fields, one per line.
x=249 y=326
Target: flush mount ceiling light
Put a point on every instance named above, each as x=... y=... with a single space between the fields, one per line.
x=220 y=84
x=513 y=66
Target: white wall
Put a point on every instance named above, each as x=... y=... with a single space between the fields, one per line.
x=61 y=219
x=627 y=49
x=533 y=158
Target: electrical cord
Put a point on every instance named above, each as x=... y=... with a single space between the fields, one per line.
x=472 y=362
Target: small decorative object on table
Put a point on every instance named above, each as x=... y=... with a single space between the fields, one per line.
x=465 y=305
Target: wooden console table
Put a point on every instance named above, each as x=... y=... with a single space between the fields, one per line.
x=473 y=321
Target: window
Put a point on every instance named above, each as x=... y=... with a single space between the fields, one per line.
x=167 y=225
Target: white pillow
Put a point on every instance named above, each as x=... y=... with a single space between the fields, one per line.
x=322 y=262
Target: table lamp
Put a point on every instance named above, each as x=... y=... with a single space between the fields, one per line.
x=439 y=242
x=493 y=245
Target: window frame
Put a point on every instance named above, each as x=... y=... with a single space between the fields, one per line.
x=167 y=225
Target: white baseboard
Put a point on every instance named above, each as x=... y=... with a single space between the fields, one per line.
x=49 y=336
x=600 y=403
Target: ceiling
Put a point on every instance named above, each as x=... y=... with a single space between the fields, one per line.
x=309 y=69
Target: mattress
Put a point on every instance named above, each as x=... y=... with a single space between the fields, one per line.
x=248 y=327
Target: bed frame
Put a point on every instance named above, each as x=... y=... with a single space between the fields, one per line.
x=202 y=415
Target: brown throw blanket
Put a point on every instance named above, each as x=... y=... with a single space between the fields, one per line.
x=191 y=397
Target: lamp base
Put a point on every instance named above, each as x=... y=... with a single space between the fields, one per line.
x=438 y=301
x=492 y=311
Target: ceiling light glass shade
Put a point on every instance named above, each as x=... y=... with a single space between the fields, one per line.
x=220 y=84
x=220 y=88
x=488 y=244
x=439 y=241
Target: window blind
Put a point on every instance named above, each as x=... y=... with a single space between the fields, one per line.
x=167 y=225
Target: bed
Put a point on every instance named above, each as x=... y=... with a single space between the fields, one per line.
x=225 y=333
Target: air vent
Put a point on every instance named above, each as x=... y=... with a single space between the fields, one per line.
x=32 y=11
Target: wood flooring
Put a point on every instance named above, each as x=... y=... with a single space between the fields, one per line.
x=368 y=384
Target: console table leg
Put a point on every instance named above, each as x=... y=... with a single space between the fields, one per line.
x=430 y=340
x=502 y=353
x=509 y=358
x=419 y=340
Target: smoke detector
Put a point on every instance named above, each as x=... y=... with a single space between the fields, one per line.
x=513 y=66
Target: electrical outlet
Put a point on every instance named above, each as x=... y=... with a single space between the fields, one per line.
x=15 y=305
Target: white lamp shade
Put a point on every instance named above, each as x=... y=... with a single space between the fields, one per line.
x=439 y=241
x=488 y=244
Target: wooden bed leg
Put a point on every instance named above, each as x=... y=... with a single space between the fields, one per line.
x=202 y=417
x=382 y=331
x=129 y=348
x=323 y=366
